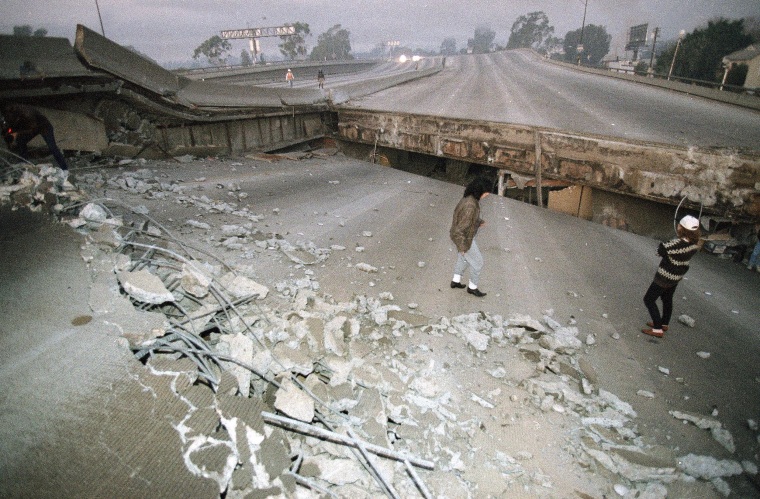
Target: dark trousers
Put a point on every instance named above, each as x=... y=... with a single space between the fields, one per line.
x=650 y=300
x=49 y=137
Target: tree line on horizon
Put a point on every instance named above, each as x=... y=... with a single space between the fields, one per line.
x=700 y=53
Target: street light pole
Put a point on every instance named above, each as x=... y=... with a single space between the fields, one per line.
x=583 y=27
x=100 y=18
x=675 y=53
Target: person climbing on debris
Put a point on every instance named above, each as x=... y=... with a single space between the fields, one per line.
x=22 y=123
x=464 y=227
x=289 y=77
x=321 y=78
x=675 y=254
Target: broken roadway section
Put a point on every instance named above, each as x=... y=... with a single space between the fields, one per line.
x=241 y=326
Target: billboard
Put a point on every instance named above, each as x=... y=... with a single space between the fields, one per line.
x=637 y=37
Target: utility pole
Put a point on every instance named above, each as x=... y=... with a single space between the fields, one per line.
x=583 y=27
x=675 y=53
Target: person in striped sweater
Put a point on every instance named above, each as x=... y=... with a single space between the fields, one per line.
x=675 y=254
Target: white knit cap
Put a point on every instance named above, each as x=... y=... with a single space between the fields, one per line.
x=689 y=223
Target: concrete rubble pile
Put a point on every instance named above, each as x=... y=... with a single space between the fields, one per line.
x=291 y=394
x=38 y=188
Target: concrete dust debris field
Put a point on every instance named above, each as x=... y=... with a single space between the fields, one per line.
x=288 y=390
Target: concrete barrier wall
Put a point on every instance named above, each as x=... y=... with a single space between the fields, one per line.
x=242 y=136
x=743 y=100
x=275 y=72
x=721 y=181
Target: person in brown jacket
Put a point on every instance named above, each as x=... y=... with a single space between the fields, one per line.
x=464 y=227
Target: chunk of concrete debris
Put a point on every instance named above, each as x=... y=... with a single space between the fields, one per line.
x=365 y=267
x=427 y=387
x=332 y=470
x=294 y=402
x=621 y=489
x=239 y=347
x=525 y=321
x=749 y=467
x=704 y=355
x=198 y=225
x=587 y=387
x=720 y=434
x=241 y=287
x=145 y=287
x=708 y=467
x=698 y=420
x=613 y=401
x=93 y=213
x=194 y=281
x=105 y=235
x=234 y=230
x=633 y=465
x=686 y=320
x=339 y=367
x=292 y=360
x=724 y=438
x=334 y=336
x=561 y=340
x=477 y=340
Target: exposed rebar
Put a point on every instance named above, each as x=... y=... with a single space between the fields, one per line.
x=301 y=427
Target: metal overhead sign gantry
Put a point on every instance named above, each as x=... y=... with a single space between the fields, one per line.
x=259 y=32
x=253 y=35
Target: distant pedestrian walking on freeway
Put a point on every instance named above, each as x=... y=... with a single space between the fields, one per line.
x=321 y=78
x=674 y=264
x=464 y=227
x=289 y=77
x=22 y=124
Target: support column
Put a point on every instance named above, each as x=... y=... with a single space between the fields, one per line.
x=502 y=188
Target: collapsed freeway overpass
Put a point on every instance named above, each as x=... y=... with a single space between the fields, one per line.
x=105 y=99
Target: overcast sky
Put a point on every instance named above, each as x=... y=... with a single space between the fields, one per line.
x=170 y=30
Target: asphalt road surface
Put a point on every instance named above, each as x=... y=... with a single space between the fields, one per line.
x=520 y=87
